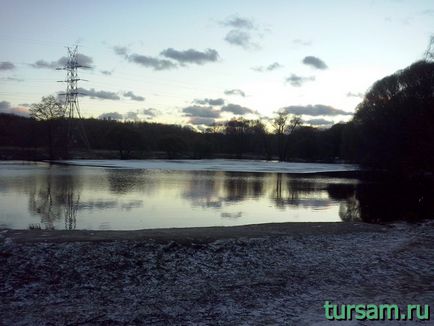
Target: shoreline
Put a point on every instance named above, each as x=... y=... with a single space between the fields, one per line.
x=195 y=234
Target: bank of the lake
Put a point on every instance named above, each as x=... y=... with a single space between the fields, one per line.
x=256 y=275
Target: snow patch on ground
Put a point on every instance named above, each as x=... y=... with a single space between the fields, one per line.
x=218 y=165
x=248 y=281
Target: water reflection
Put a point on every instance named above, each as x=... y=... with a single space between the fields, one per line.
x=96 y=198
x=55 y=197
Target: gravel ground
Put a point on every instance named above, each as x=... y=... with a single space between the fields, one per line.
x=278 y=279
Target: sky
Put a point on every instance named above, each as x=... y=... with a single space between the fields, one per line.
x=200 y=62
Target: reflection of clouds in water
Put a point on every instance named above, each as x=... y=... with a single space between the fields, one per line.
x=132 y=204
x=307 y=203
x=231 y=215
x=98 y=204
x=104 y=226
x=208 y=204
x=110 y=204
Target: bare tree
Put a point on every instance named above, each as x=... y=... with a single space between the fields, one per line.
x=279 y=126
x=284 y=125
x=49 y=109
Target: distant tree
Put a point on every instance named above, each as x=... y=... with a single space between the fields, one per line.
x=261 y=138
x=395 y=121
x=279 y=126
x=284 y=125
x=49 y=109
x=173 y=145
x=125 y=139
x=236 y=131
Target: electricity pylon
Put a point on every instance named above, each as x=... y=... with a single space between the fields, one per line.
x=71 y=106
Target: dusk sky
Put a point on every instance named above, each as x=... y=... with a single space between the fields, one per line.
x=198 y=62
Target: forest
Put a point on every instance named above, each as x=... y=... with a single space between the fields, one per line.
x=391 y=130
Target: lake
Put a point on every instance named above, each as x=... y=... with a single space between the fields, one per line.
x=131 y=195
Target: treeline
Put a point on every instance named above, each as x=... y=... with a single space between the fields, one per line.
x=392 y=129
x=237 y=138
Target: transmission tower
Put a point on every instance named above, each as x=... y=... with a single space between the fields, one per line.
x=71 y=105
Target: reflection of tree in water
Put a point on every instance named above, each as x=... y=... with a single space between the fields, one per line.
x=202 y=189
x=236 y=188
x=349 y=210
x=293 y=191
x=55 y=197
x=212 y=189
x=71 y=202
x=41 y=203
x=385 y=201
x=123 y=181
x=395 y=200
x=239 y=186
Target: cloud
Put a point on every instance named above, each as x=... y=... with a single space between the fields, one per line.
x=6 y=65
x=242 y=32
x=201 y=111
x=45 y=64
x=144 y=60
x=201 y=121
x=121 y=50
x=111 y=116
x=240 y=38
x=209 y=101
x=103 y=95
x=427 y=12
x=351 y=94
x=191 y=56
x=238 y=22
x=6 y=107
x=315 y=62
x=131 y=116
x=314 y=110
x=318 y=122
x=271 y=67
x=82 y=60
x=298 y=81
x=235 y=92
x=150 y=113
x=236 y=109
x=151 y=62
x=133 y=96
x=301 y=42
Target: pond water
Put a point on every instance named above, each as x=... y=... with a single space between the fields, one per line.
x=120 y=197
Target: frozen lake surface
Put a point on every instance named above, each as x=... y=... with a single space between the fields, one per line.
x=219 y=165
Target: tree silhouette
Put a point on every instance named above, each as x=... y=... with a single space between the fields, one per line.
x=395 y=121
x=49 y=109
